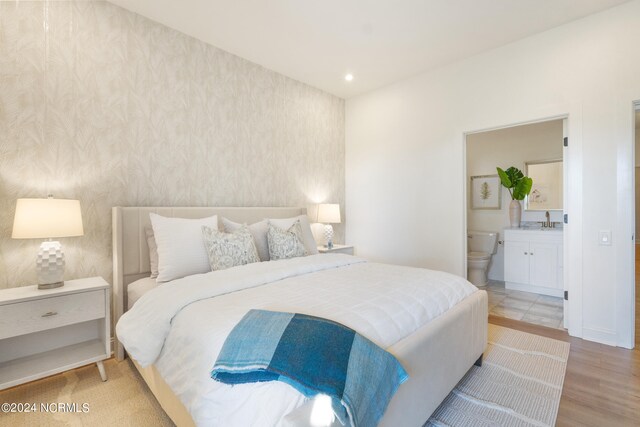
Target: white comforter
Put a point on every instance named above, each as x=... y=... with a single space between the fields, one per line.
x=181 y=326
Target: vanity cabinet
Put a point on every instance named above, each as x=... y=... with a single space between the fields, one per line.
x=533 y=261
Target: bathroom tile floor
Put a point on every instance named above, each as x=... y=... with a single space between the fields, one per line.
x=525 y=306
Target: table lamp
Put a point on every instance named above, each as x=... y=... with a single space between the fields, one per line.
x=47 y=219
x=329 y=213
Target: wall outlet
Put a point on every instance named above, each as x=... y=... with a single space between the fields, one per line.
x=604 y=238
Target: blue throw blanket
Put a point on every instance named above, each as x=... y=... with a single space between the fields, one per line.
x=315 y=356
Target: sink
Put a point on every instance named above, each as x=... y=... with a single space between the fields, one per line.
x=538 y=227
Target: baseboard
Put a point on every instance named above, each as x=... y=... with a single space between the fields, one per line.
x=600 y=335
x=535 y=289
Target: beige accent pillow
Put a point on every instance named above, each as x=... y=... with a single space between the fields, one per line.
x=258 y=231
x=228 y=250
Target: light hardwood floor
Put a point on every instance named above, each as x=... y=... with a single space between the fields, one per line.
x=602 y=383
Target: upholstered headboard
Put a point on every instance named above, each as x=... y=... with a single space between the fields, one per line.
x=131 y=252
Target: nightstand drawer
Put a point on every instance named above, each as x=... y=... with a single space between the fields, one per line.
x=47 y=313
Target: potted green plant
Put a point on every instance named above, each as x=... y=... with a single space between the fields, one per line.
x=519 y=187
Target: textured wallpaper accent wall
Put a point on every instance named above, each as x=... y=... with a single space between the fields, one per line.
x=103 y=105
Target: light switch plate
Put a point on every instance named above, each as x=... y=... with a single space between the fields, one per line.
x=604 y=238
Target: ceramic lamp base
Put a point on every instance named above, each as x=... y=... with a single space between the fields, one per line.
x=50 y=265
x=328 y=235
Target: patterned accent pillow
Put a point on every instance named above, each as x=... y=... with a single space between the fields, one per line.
x=285 y=244
x=227 y=250
x=307 y=235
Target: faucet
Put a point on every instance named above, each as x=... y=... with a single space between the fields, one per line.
x=547 y=224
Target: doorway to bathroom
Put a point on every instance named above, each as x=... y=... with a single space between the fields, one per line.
x=515 y=220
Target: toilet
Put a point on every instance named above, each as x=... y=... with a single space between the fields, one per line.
x=481 y=245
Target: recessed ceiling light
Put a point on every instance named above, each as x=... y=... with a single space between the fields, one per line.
x=348 y=77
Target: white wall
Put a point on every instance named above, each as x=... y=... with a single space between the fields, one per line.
x=507 y=147
x=405 y=189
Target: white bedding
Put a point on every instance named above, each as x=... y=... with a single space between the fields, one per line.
x=182 y=325
x=138 y=288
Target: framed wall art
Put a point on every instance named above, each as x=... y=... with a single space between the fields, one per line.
x=486 y=192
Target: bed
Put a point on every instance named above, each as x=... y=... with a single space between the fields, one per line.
x=436 y=354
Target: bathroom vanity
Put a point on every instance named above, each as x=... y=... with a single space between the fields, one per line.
x=533 y=260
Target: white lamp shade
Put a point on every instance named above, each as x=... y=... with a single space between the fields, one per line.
x=47 y=218
x=329 y=213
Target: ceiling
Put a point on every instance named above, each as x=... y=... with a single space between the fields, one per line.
x=379 y=41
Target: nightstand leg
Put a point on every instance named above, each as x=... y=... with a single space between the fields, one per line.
x=103 y=374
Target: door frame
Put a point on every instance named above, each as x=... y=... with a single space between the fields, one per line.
x=572 y=171
x=625 y=288
x=631 y=314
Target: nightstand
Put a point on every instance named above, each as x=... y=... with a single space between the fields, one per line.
x=44 y=332
x=341 y=249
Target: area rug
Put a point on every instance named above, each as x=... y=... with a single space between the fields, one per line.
x=123 y=400
x=519 y=384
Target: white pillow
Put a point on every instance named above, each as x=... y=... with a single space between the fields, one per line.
x=258 y=231
x=181 y=248
x=153 y=252
x=307 y=235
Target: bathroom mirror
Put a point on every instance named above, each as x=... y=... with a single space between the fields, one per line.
x=546 y=191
